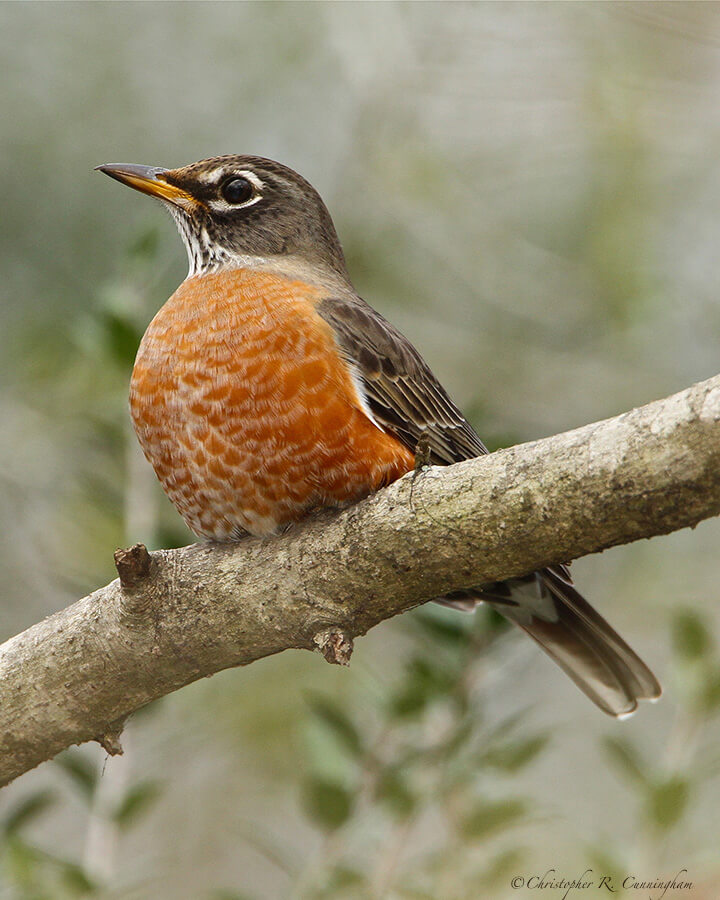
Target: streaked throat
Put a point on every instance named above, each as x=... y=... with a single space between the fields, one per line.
x=204 y=254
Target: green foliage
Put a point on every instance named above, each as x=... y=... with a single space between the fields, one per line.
x=667 y=802
x=24 y=812
x=410 y=768
x=452 y=633
x=327 y=803
x=22 y=862
x=393 y=791
x=502 y=867
x=514 y=755
x=487 y=818
x=400 y=767
x=691 y=637
x=121 y=337
x=35 y=873
x=338 y=724
x=427 y=681
x=75 y=880
x=104 y=344
x=663 y=793
x=709 y=693
x=342 y=881
x=604 y=859
x=81 y=770
x=136 y=802
x=39 y=875
x=626 y=759
x=697 y=660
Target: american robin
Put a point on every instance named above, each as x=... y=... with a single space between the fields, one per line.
x=266 y=387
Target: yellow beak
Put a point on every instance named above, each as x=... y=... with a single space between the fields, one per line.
x=149 y=180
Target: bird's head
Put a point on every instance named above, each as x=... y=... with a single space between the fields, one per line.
x=241 y=210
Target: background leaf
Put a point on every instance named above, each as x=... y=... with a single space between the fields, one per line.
x=327 y=803
x=27 y=810
x=136 y=802
x=690 y=636
x=488 y=818
x=626 y=759
x=81 y=770
x=394 y=792
x=515 y=755
x=667 y=802
x=336 y=720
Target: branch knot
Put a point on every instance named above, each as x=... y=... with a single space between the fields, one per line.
x=109 y=740
x=133 y=566
x=335 y=644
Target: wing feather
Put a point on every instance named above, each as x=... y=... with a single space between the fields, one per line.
x=404 y=396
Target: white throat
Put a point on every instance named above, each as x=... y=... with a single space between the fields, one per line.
x=206 y=257
x=203 y=254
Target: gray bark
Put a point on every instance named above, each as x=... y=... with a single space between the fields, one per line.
x=184 y=614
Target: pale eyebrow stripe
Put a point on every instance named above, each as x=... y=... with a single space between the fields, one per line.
x=220 y=174
x=252 y=178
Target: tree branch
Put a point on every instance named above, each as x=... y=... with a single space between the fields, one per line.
x=183 y=614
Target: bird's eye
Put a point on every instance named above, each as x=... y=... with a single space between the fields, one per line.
x=237 y=190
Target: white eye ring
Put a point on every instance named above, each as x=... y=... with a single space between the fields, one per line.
x=221 y=204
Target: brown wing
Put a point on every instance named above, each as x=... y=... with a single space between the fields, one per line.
x=403 y=394
x=406 y=399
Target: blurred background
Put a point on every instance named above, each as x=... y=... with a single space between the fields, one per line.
x=531 y=192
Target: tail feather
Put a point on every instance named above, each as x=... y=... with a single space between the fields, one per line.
x=554 y=614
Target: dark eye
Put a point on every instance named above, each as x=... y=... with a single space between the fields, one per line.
x=237 y=190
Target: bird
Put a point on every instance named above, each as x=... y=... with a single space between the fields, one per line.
x=266 y=388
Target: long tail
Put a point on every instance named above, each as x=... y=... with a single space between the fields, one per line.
x=548 y=608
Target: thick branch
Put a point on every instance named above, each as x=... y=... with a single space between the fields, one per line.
x=187 y=613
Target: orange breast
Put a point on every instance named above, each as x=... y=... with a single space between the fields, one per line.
x=246 y=411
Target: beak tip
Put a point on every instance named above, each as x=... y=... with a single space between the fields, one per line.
x=127 y=169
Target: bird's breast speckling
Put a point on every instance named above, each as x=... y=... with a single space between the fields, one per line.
x=246 y=410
